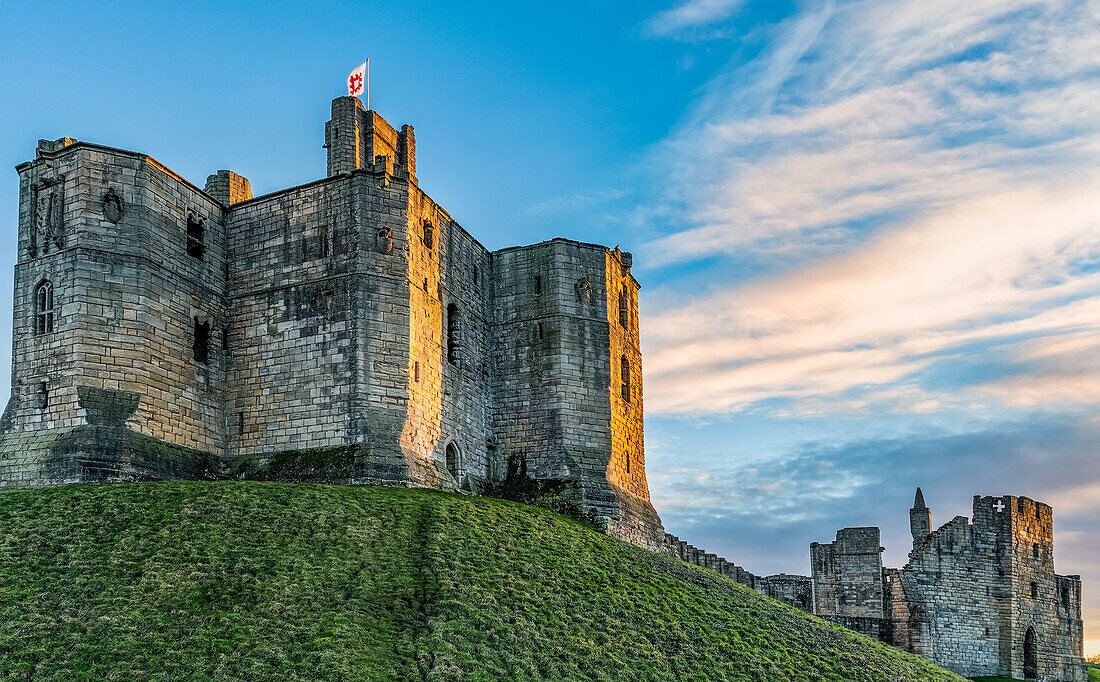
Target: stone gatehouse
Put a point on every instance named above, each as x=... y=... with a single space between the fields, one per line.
x=345 y=330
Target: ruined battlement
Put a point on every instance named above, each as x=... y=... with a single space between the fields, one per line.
x=978 y=596
x=345 y=330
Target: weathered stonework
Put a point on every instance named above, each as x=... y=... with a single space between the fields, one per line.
x=347 y=330
x=978 y=597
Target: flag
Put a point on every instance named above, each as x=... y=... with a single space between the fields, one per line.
x=357 y=81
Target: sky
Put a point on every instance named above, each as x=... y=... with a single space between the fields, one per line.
x=867 y=232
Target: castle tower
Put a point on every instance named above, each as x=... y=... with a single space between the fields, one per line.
x=920 y=519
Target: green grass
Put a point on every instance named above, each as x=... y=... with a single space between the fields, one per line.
x=269 y=581
x=1094 y=673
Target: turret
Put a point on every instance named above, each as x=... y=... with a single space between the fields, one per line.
x=920 y=519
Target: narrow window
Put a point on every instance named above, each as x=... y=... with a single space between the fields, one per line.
x=429 y=234
x=538 y=285
x=416 y=371
x=202 y=341
x=44 y=393
x=628 y=462
x=195 y=245
x=624 y=372
x=240 y=423
x=1035 y=549
x=225 y=338
x=1066 y=598
x=540 y=331
x=477 y=279
x=624 y=308
x=452 y=333
x=452 y=459
x=1034 y=590
x=43 y=308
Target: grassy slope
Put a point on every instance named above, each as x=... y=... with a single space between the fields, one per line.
x=1094 y=673
x=268 y=581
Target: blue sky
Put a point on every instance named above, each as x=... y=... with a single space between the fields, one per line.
x=868 y=233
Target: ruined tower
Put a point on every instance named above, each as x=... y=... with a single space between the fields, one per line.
x=347 y=330
x=920 y=519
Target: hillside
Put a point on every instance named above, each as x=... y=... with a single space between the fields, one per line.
x=256 y=581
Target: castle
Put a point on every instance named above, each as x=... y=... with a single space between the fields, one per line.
x=979 y=596
x=350 y=331
x=346 y=330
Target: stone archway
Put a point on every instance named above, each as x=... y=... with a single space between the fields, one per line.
x=452 y=459
x=1031 y=655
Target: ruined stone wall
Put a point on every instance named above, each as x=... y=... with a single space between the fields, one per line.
x=796 y=590
x=969 y=594
x=847 y=574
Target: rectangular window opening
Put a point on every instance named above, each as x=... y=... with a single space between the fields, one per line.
x=44 y=394
x=201 y=346
x=538 y=285
x=196 y=248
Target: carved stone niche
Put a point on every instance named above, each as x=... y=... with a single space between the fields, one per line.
x=49 y=217
x=112 y=206
x=584 y=291
x=384 y=240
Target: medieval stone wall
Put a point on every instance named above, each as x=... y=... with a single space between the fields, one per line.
x=978 y=597
x=847 y=574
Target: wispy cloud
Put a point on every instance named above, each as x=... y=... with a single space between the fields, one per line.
x=922 y=177
x=691 y=14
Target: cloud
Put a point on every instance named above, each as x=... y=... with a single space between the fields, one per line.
x=691 y=14
x=920 y=181
x=763 y=514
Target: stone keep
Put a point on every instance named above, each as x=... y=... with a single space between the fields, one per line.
x=979 y=596
x=346 y=330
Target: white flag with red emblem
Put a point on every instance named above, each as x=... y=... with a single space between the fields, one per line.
x=357 y=81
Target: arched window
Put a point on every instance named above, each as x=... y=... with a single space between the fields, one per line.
x=453 y=332
x=43 y=308
x=624 y=377
x=624 y=308
x=452 y=459
x=1031 y=655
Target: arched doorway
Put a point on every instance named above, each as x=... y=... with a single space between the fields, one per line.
x=452 y=459
x=1031 y=656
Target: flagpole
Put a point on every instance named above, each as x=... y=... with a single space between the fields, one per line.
x=368 y=83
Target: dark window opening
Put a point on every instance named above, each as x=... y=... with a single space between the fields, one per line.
x=538 y=285
x=202 y=341
x=1031 y=656
x=43 y=308
x=1035 y=550
x=540 y=331
x=416 y=371
x=624 y=308
x=452 y=459
x=1037 y=514
x=452 y=334
x=240 y=423
x=1034 y=590
x=628 y=462
x=429 y=234
x=44 y=393
x=195 y=246
x=477 y=279
x=1067 y=598
x=624 y=372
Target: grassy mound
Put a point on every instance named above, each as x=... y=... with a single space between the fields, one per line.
x=260 y=581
